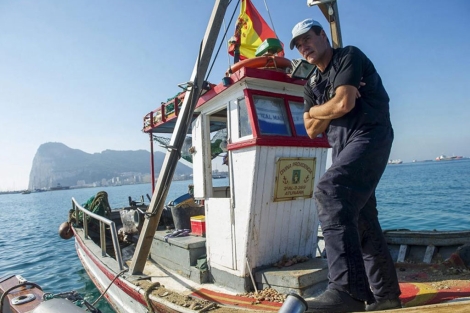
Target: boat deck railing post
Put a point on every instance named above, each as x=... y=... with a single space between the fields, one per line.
x=103 y=238
x=103 y=221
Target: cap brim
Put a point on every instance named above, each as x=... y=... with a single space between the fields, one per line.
x=292 y=41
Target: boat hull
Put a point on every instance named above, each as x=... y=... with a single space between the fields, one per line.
x=122 y=297
x=419 y=283
x=125 y=295
x=121 y=294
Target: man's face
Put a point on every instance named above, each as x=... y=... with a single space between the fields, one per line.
x=312 y=47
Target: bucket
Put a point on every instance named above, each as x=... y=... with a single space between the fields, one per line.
x=182 y=215
x=226 y=81
x=294 y=304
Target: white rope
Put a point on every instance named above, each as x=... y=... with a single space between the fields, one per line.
x=228 y=45
x=110 y=284
x=269 y=14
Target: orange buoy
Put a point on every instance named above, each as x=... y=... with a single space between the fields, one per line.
x=267 y=61
x=65 y=231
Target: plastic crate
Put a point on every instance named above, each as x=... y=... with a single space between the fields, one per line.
x=198 y=225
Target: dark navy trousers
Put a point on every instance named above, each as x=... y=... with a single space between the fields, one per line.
x=359 y=261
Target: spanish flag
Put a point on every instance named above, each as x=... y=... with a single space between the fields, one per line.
x=250 y=31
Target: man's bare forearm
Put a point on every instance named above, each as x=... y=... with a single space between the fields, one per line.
x=343 y=102
x=314 y=126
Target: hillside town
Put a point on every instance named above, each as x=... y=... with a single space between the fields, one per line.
x=127 y=178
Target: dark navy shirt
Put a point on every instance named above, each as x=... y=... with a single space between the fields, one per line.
x=350 y=66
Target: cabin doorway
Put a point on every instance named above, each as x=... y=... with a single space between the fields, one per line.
x=212 y=183
x=211 y=161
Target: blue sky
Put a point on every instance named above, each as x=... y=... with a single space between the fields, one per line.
x=84 y=73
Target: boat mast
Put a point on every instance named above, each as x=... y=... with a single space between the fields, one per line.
x=182 y=124
x=329 y=8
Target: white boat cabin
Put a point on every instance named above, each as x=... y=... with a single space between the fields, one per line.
x=267 y=210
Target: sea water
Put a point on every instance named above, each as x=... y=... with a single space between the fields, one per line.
x=425 y=196
x=417 y=196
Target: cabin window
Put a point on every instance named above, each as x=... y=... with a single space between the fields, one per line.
x=297 y=110
x=219 y=154
x=272 y=116
x=244 y=127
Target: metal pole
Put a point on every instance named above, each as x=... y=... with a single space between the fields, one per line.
x=177 y=139
x=152 y=165
x=336 y=28
x=333 y=20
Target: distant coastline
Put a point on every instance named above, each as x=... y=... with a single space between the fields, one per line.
x=176 y=178
x=61 y=188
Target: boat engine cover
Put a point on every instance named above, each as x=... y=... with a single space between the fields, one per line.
x=57 y=305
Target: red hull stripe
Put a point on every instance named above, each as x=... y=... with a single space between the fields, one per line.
x=110 y=275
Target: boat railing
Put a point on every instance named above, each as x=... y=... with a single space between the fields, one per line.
x=166 y=111
x=170 y=109
x=103 y=222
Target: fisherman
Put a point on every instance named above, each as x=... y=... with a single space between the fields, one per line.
x=361 y=274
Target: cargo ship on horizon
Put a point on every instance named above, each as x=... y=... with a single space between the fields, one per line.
x=446 y=158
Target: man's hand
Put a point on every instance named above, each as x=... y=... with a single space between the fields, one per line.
x=358 y=94
x=314 y=126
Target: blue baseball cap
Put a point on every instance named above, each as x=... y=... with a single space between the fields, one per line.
x=302 y=28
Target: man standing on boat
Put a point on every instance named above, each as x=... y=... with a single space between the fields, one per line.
x=360 y=132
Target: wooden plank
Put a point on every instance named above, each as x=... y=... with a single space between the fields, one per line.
x=279 y=218
x=243 y=170
x=219 y=235
x=267 y=216
x=429 y=254
x=402 y=253
x=292 y=217
x=304 y=215
x=308 y=215
x=254 y=227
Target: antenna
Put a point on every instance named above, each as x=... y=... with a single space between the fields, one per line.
x=269 y=14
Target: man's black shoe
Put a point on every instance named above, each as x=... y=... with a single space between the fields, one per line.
x=387 y=304
x=335 y=301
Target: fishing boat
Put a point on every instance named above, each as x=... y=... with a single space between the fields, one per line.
x=218 y=176
x=17 y=295
x=249 y=243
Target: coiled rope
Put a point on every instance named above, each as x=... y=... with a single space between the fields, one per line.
x=149 y=290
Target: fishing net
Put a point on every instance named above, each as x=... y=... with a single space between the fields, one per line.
x=97 y=204
x=218 y=144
